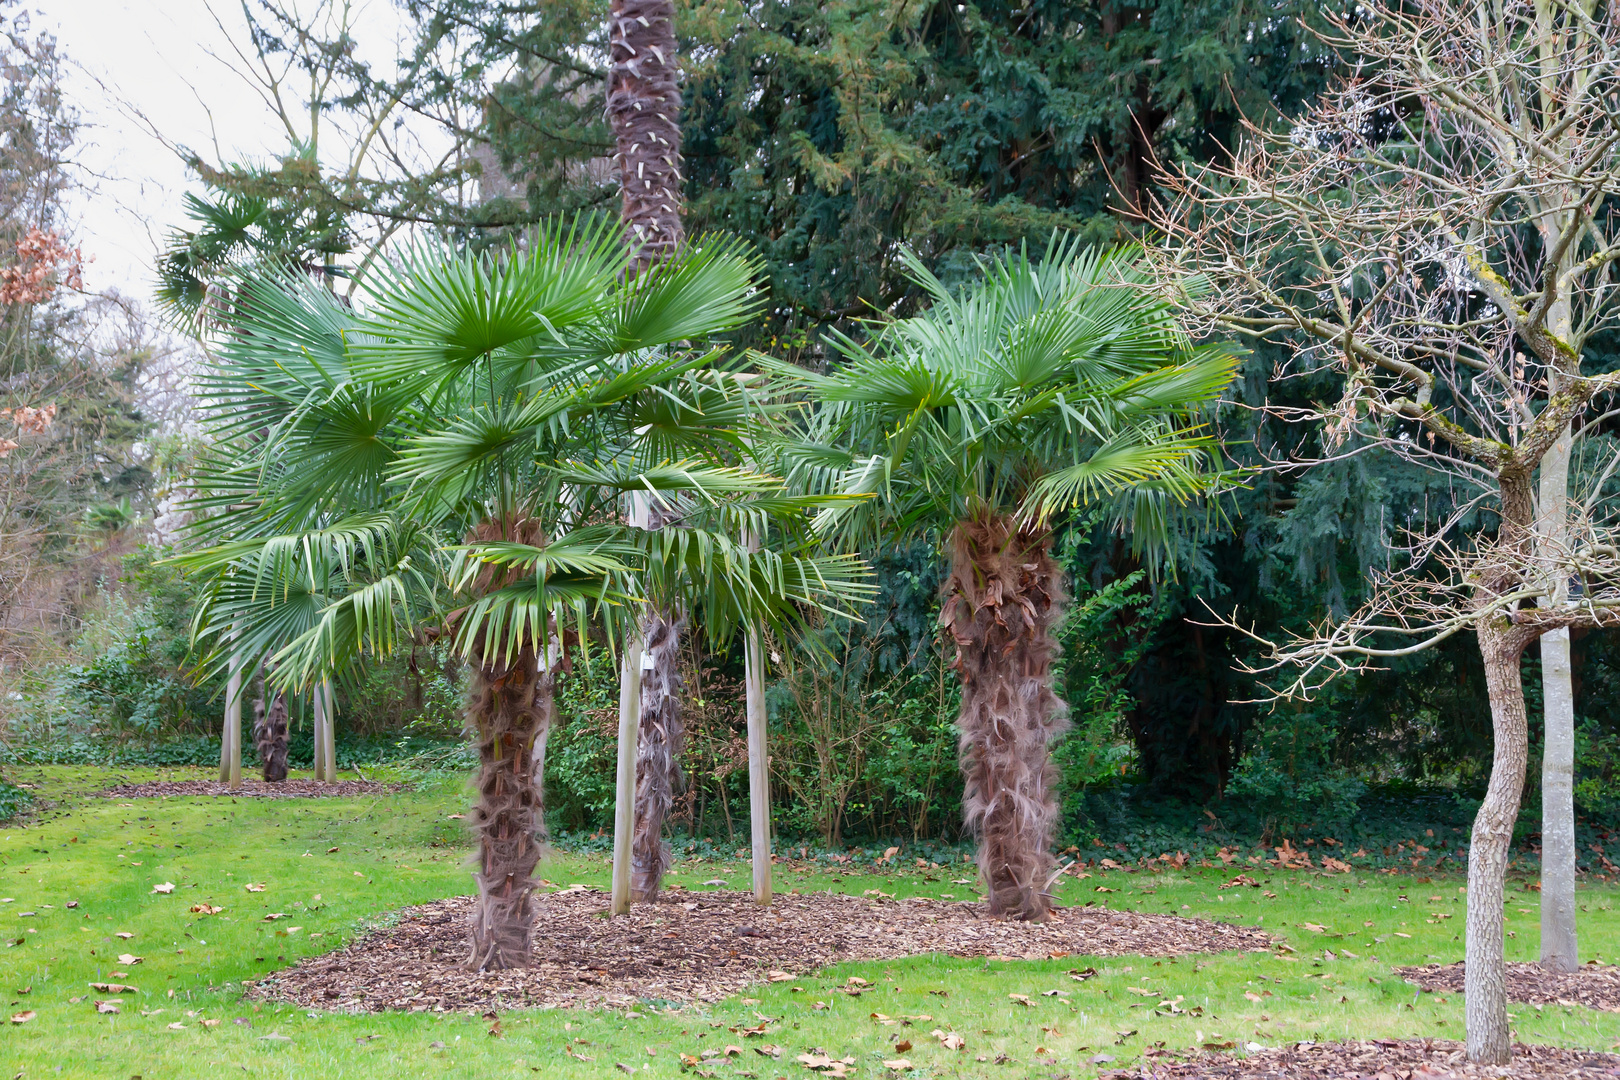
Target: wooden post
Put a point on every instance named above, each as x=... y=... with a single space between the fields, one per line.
x=624 y=806
x=759 y=766
x=330 y=755
x=318 y=713
x=230 y=736
x=230 y=766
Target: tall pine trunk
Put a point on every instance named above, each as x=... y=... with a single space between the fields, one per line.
x=644 y=108
x=658 y=748
x=1004 y=598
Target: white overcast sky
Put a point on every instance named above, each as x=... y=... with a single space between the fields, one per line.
x=160 y=59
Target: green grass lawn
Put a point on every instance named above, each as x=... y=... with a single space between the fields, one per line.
x=334 y=866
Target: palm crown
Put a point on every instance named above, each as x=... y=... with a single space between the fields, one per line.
x=1050 y=383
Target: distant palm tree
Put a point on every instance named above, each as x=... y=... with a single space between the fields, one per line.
x=644 y=109
x=1044 y=386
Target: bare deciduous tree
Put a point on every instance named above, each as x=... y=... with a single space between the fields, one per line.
x=1440 y=230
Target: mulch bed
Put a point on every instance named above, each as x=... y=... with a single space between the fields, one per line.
x=251 y=789
x=1381 y=1059
x=1597 y=986
x=704 y=946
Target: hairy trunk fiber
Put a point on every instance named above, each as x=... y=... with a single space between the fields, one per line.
x=1003 y=598
x=270 y=736
x=644 y=108
x=508 y=708
x=658 y=749
x=1485 y=974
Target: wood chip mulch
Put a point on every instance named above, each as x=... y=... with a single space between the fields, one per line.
x=1381 y=1059
x=1597 y=986
x=250 y=789
x=703 y=946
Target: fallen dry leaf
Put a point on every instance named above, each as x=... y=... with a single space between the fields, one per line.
x=254 y=886
x=1312 y=926
x=128 y=959
x=902 y=1046
x=274 y=915
x=779 y=976
x=898 y=1064
x=107 y=1007
x=206 y=909
x=164 y=887
x=950 y=1040
x=113 y=988
x=825 y=1064
x=210 y=1023
x=1021 y=999
x=22 y=1017
x=177 y=1026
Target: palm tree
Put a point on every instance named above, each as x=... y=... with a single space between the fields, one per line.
x=644 y=109
x=1044 y=386
x=493 y=401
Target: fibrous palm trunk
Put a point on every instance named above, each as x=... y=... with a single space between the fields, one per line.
x=270 y=737
x=1004 y=598
x=644 y=108
x=658 y=749
x=510 y=708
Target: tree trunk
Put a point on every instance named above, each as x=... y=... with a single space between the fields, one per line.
x=658 y=749
x=644 y=108
x=508 y=707
x=1559 y=945
x=1559 y=951
x=1004 y=597
x=1485 y=968
x=270 y=736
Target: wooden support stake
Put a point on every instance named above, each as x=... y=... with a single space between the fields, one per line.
x=759 y=764
x=230 y=764
x=330 y=756
x=318 y=712
x=624 y=807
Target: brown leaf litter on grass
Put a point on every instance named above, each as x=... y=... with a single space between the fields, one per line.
x=704 y=946
x=1597 y=986
x=1417 y=1059
x=252 y=789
